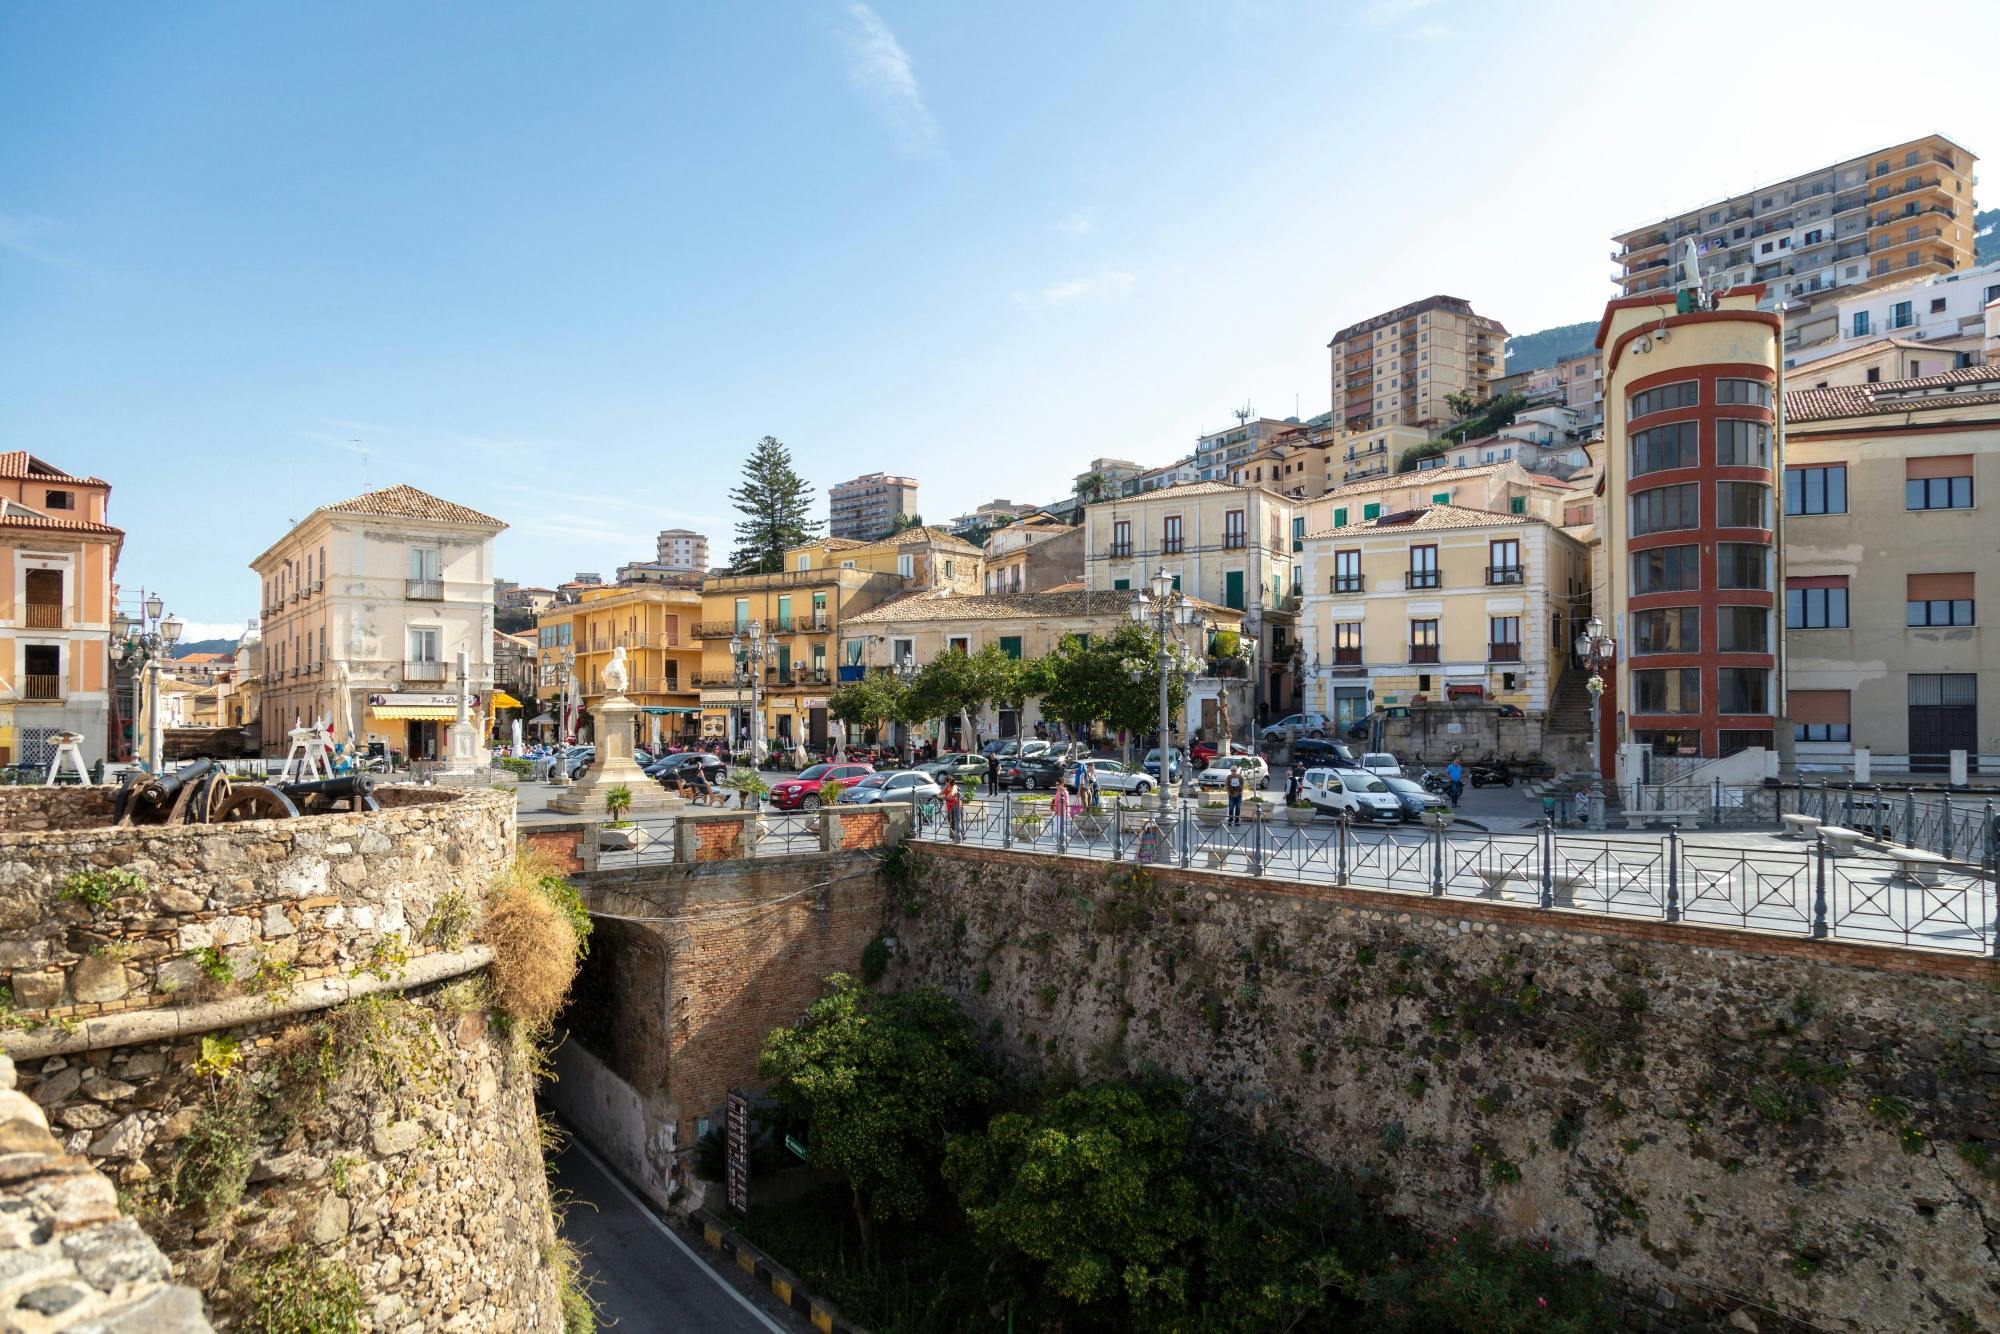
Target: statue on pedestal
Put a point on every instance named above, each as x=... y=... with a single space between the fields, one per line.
x=615 y=676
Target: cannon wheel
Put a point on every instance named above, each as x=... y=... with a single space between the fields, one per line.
x=255 y=801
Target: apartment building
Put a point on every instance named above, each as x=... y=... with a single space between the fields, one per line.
x=1582 y=377
x=58 y=556
x=993 y=514
x=655 y=625
x=1217 y=453
x=1436 y=604
x=916 y=627
x=1503 y=487
x=1545 y=439
x=1396 y=368
x=1034 y=555
x=1891 y=571
x=1229 y=545
x=868 y=507
x=1938 y=324
x=799 y=612
x=366 y=606
x=682 y=549
x=1688 y=528
x=1105 y=478
x=1897 y=213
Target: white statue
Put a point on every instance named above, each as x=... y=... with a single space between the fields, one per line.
x=615 y=679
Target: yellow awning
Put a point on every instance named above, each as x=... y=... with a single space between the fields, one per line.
x=406 y=713
x=503 y=700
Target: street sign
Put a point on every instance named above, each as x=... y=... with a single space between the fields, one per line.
x=739 y=1152
x=798 y=1148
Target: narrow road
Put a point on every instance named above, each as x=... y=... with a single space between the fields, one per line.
x=650 y=1278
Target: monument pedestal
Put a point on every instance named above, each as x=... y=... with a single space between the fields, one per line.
x=615 y=766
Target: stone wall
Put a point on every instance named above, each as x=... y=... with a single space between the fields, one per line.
x=277 y=1038
x=104 y=920
x=67 y=1257
x=1721 y=1120
x=690 y=965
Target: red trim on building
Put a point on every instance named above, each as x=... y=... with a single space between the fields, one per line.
x=1693 y=317
x=1665 y=300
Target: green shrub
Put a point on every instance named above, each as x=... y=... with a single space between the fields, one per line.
x=212 y=1161
x=293 y=1293
x=874 y=960
x=96 y=889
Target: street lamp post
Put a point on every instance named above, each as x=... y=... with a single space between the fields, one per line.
x=141 y=645
x=1595 y=650
x=907 y=672
x=747 y=650
x=1172 y=615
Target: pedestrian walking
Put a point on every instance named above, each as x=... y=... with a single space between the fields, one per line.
x=1059 y=805
x=953 y=809
x=993 y=773
x=1297 y=783
x=1454 y=779
x=1234 y=787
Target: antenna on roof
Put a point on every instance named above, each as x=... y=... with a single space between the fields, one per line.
x=364 y=463
x=1244 y=414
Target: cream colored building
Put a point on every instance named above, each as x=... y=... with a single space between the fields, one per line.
x=366 y=606
x=1892 y=570
x=1231 y=545
x=916 y=627
x=1437 y=604
x=1398 y=366
x=1505 y=488
x=1033 y=554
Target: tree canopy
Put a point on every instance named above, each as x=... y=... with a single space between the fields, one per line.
x=876 y=700
x=1084 y=683
x=880 y=1083
x=776 y=504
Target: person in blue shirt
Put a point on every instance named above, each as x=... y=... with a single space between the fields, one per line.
x=1454 y=779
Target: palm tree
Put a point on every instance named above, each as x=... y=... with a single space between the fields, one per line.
x=1090 y=488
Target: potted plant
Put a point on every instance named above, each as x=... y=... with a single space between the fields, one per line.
x=1301 y=812
x=1030 y=818
x=1258 y=807
x=748 y=785
x=830 y=790
x=619 y=832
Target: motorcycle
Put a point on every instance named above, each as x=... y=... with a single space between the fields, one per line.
x=1435 y=783
x=1495 y=773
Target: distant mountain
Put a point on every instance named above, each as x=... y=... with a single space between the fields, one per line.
x=181 y=650
x=1545 y=347
x=1986 y=235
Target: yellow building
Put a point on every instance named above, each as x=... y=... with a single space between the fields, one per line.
x=798 y=613
x=655 y=625
x=1440 y=603
x=1504 y=488
x=916 y=627
x=1398 y=366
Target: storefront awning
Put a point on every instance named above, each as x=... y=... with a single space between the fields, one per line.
x=656 y=708
x=395 y=713
x=503 y=700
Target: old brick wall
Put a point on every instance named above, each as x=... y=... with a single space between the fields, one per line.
x=1715 y=1117
x=704 y=960
x=33 y=809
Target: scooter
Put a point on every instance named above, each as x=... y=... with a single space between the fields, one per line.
x=1493 y=773
x=1435 y=783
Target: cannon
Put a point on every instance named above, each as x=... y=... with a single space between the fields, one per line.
x=320 y=796
x=198 y=793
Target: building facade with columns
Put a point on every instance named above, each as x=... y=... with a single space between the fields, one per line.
x=367 y=605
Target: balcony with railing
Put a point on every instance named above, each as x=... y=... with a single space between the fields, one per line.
x=1119 y=550
x=1366 y=451
x=720 y=629
x=1233 y=541
x=1425 y=579
x=1347 y=656
x=1503 y=652
x=1347 y=583
x=42 y=615
x=422 y=673
x=1423 y=653
x=41 y=689
x=1503 y=574
x=1172 y=546
x=418 y=590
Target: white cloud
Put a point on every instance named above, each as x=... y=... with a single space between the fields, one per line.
x=880 y=70
x=1077 y=222
x=21 y=233
x=1104 y=282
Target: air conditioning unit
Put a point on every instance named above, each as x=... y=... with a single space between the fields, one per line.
x=1916 y=333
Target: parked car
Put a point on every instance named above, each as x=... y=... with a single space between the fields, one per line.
x=1381 y=762
x=1201 y=752
x=903 y=785
x=803 y=793
x=1033 y=773
x=1112 y=776
x=1307 y=724
x=1255 y=772
x=1070 y=751
x=1175 y=764
x=1362 y=795
x=965 y=765
x=1414 y=798
x=677 y=768
x=1328 y=754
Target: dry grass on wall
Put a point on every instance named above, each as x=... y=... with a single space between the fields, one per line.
x=537 y=928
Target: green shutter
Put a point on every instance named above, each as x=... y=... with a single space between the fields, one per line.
x=1340 y=518
x=1232 y=590
x=1371 y=512
x=1177 y=583
x=1011 y=645
x=1441 y=498
x=1121 y=584
x=1518 y=505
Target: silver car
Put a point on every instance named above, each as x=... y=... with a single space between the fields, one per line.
x=900 y=785
x=1111 y=776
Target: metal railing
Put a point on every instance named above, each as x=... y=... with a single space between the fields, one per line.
x=1423 y=653
x=1424 y=578
x=770 y=834
x=421 y=590
x=1803 y=890
x=1347 y=583
x=1503 y=574
x=43 y=616
x=36 y=686
x=423 y=671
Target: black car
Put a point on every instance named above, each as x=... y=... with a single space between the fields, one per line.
x=1037 y=773
x=675 y=768
x=1315 y=753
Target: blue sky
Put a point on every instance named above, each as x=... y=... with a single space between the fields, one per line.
x=566 y=263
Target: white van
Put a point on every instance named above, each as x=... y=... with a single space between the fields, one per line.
x=1364 y=796
x=1381 y=762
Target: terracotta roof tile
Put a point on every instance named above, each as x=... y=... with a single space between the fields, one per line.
x=1068 y=601
x=1967 y=386
x=1431 y=518
x=17 y=520
x=18 y=465
x=403 y=501
x=924 y=533
x=1419 y=477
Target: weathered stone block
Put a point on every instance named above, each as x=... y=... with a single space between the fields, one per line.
x=99 y=978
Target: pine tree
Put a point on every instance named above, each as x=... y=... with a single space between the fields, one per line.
x=776 y=504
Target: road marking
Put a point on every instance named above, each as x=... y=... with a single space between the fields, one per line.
x=611 y=1175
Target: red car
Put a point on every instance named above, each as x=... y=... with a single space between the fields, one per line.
x=802 y=793
x=1202 y=752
